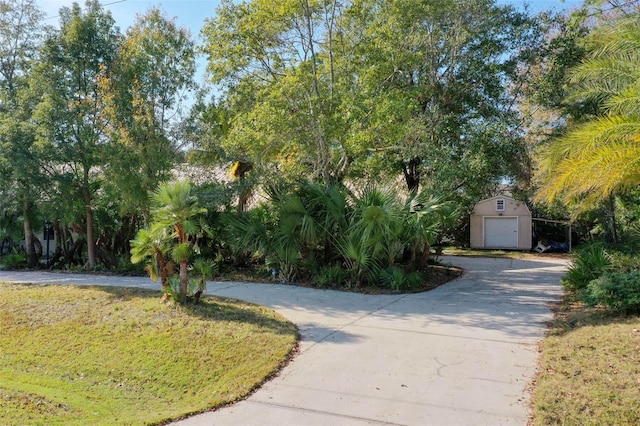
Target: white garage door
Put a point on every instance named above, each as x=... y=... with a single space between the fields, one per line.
x=501 y=232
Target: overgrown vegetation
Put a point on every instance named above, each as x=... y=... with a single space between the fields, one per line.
x=606 y=275
x=326 y=103
x=332 y=236
x=104 y=356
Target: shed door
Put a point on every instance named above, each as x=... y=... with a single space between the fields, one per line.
x=501 y=232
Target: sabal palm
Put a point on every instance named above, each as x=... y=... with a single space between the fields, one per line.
x=378 y=217
x=602 y=156
x=308 y=218
x=375 y=226
x=424 y=213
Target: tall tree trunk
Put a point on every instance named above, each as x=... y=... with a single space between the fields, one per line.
x=239 y=172
x=29 y=240
x=411 y=171
x=91 y=248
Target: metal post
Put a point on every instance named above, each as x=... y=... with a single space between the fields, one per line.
x=47 y=236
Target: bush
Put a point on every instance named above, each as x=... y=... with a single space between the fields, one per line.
x=617 y=291
x=589 y=263
x=126 y=267
x=14 y=260
x=624 y=261
x=331 y=276
x=393 y=277
x=397 y=279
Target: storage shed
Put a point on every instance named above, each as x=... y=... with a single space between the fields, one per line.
x=501 y=223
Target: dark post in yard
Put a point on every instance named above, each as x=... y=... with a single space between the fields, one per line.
x=48 y=236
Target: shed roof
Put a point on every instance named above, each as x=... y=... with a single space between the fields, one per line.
x=520 y=204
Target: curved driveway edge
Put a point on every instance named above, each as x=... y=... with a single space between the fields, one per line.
x=462 y=354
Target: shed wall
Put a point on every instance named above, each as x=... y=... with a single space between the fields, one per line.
x=512 y=208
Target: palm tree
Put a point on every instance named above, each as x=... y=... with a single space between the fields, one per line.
x=372 y=240
x=424 y=214
x=174 y=224
x=153 y=244
x=601 y=157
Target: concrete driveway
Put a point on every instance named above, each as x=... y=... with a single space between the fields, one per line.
x=462 y=354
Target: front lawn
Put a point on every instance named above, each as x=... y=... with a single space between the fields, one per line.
x=115 y=356
x=590 y=369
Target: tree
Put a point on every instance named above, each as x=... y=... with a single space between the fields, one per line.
x=153 y=245
x=20 y=34
x=279 y=66
x=71 y=111
x=174 y=228
x=598 y=158
x=333 y=89
x=142 y=93
x=442 y=80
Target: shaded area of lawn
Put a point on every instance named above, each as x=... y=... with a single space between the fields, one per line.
x=111 y=355
x=590 y=369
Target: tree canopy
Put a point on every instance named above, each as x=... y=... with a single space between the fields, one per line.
x=599 y=156
x=347 y=89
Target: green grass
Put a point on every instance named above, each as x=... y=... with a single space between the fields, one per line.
x=118 y=356
x=590 y=370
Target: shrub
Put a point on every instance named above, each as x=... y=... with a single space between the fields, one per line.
x=616 y=290
x=174 y=290
x=125 y=266
x=14 y=260
x=393 y=277
x=397 y=279
x=589 y=263
x=414 y=279
x=331 y=276
x=624 y=261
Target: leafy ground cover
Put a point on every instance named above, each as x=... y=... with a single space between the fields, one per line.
x=590 y=369
x=106 y=356
x=432 y=277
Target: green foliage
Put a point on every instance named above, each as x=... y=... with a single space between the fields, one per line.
x=393 y=277
x=14 y=260
x=588 y=263
x=398 y=279
x=175 y=291
x=333 y=236
x=154 y=65
x=21 y=180
x=205 y=269
x=247 y=234
x=374 y=88
x=331 y=276
x=615 y=290
x=70 y=112
x=359 y=260
x=175 y=225
x=125 y=266
x=596 y=158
